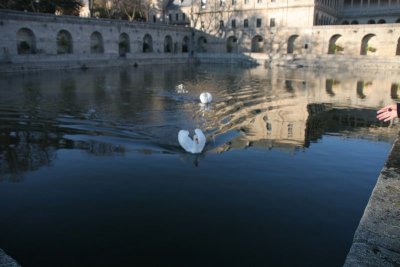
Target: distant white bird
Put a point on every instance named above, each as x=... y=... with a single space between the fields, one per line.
x=205 y=97
x=192 y=146
x=180 y=89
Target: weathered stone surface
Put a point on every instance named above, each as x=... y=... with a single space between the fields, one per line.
x=377 y=239
x=7 y=261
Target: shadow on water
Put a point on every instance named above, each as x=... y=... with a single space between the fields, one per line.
x=111 y=112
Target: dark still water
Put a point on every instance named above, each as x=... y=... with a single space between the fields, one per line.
x=92 y=174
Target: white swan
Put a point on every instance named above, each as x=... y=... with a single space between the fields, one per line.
x=205 y=97
x=192 y=146
x=180 y=89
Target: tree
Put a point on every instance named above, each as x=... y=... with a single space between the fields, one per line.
x=121 y=9
x=64 y=7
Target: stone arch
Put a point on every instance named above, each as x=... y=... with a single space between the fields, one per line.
x=360 y=89
x=124 y=44
x=26 y=41
x=398 y=20
x=231 y=44
x=398 y=47
x=354 y=22
x=292 y=44
x=365 y=44
x=257 y=44
x=394 y=88
x=333 y=46
x=64 y=42
x=185 y=44
x=168 y=44
x=371 y=21
x=381 y=21
x=202 y=44
x=147 y=44
x=96 y=43
x=345 y=22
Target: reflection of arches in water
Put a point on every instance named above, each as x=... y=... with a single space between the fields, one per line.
x=257 y=44
x=201 y=44
x=333 y=47
x=64 y=42
x=96 y=43
x=26 y=41
x=185 y=44
x=340 y=119
x=329 y=87
x=168 y=44
x=365 y=44
x=147 y=44
x=394 y=89
x=291 y=44
x=68 y=95
x=124 y=44
x=289 y=86
x=360 y=89
x=231 y=44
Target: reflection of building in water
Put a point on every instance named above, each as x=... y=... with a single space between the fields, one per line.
x=270 y=108
x=298 y=112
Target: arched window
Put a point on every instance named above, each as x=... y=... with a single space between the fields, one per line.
x=394 y=91
x=291 y=44
x=96 y=43
x=345 y=22
x=202 y=44
x=124 y=44
x=167 y=44
x=26 y=41
x=147 y=44
x=381 y=21
x=231 y=44
x=185 y=44
x=366 y=46
x=360 y=89
x=354 y=22
x=257 y=44
x=334 y=48
x=371 y=21
x=64 y=42
x=398 y=20
x=329 y=87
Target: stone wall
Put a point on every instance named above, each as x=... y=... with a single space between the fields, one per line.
x=27 y=37
x=29 y=41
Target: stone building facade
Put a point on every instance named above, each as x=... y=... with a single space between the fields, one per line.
x=32 y=37
x=299 y=27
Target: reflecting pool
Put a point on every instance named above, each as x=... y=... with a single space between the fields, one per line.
x=92 y=174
